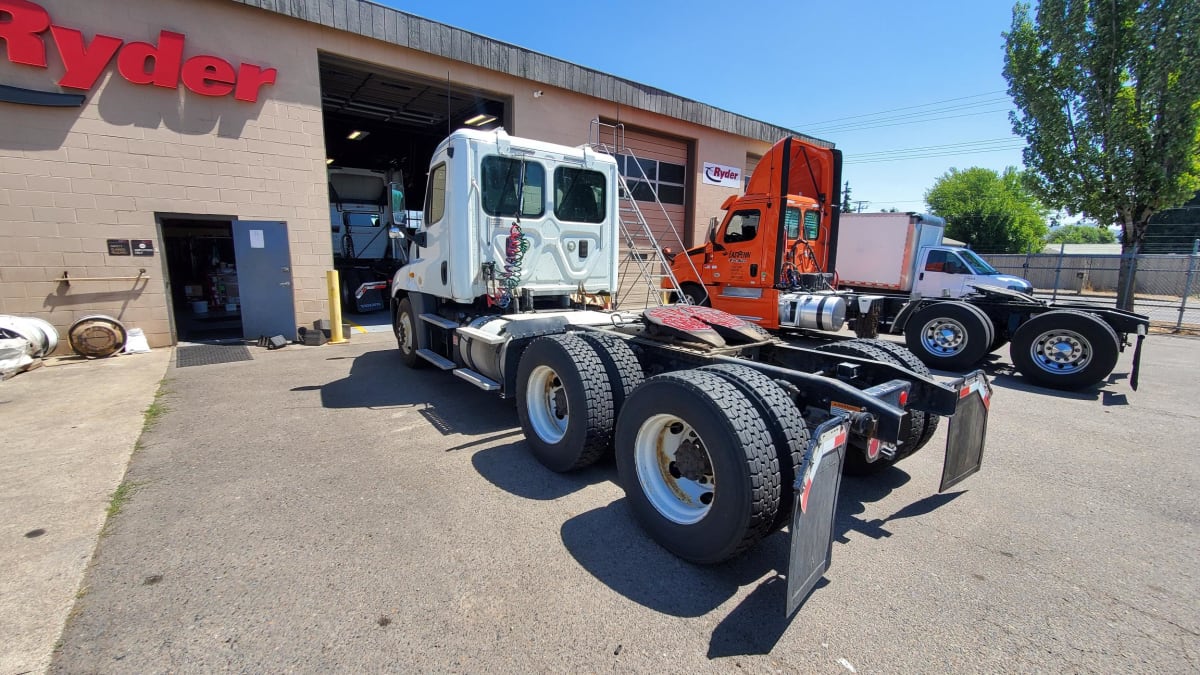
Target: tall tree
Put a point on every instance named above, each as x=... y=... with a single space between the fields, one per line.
x=991 y=212
x=1080 y=234
x=846 y=198
x=1108 y=99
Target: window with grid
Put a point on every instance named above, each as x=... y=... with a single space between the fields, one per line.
x=647 y=176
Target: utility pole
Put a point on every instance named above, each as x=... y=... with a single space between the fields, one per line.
x=860 y=205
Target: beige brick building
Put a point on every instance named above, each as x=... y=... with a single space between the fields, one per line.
x=135 y=127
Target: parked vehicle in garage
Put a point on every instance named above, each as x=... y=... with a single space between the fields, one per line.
x=722 y=434
x=784 y=258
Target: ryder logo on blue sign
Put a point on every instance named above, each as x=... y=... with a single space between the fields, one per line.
x=718 y=174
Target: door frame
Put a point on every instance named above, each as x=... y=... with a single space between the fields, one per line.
x=161 y=243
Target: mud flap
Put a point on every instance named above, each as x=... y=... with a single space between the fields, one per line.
x=968 y=430
x=1137 y=362
x=816 y=505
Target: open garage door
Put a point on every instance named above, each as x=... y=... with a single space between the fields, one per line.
x=382 y=125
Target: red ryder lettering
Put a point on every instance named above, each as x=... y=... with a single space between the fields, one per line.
x=23 y=25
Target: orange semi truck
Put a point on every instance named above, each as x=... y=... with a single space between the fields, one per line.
x=774 y=258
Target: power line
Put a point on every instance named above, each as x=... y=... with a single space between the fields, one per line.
x=990 y=142
x=910 y=107
x=931 y=119
x=901 y=158
x=913 y=115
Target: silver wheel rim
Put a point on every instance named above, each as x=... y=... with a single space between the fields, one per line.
x=403 y=333
x=546 y=403
x=944 y=337
x=674 y=469
x=1061 y=351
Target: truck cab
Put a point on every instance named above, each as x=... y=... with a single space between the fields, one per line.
x=952 y=272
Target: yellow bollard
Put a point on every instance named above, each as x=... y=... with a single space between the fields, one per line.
x=335 y=308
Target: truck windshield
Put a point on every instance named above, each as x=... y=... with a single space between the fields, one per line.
x=978 y=265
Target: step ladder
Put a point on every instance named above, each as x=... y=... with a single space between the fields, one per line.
x=643 y=256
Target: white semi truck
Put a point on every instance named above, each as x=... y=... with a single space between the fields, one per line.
x=722 y=434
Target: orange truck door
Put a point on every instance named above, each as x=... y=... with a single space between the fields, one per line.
x=742 y=275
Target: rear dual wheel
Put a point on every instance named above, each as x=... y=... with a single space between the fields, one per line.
x=696 y=460
x=921 y=424
x=1065 y=349
x=564 y=402
x=949 y=335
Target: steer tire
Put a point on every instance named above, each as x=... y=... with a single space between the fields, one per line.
x=696 y=295
x=705 y=417
x=620 y=363
x=404 y=326
x=564 y=402
x=910 y=361
x=856 y=455
x=972 y=325
x=1096 y=339
x=789 y=432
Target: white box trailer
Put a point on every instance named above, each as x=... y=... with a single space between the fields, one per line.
x=882 y=250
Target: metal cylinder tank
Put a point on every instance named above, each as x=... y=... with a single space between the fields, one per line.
x=818 y=312
x=480 y=356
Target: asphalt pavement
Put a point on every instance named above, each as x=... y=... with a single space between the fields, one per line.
x=326 y=509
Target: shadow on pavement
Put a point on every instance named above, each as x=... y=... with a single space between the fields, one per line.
x=379 y=380
x=512 y=468
x=611 y=546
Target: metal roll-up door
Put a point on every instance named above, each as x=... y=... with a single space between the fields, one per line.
x=751 y=164
x=664 y=161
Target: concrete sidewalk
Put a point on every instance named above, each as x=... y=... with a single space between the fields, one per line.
x=69 y=430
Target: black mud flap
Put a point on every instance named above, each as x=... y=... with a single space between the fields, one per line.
x=816 y=503
x=1137 y=362
x=968 y=430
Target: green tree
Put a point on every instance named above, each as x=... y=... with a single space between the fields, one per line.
x=1080 y=234
x=1108 y=101
x=846 y=198
x=989 y=211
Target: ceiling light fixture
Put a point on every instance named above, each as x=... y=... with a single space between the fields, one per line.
x=328 y=161
x=357 y=135
x=480 y=120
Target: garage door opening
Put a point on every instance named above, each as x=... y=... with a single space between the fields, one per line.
x=381 y=126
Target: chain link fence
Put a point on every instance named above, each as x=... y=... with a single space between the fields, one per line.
x=1165 y=286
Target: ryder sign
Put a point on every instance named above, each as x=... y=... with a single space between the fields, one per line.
x=718 y=174
x=27 y=31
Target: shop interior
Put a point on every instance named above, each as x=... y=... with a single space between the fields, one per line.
x=203 y=281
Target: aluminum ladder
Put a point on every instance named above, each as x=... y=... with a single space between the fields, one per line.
x=643 y=251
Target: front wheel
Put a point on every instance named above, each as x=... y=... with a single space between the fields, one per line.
x=1065 y=349
x=404 y=325
x=696 y=461
x=696 y=295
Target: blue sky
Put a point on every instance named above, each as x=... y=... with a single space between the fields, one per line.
x=906 y=90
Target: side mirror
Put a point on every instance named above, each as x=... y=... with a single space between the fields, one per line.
x=712 y=230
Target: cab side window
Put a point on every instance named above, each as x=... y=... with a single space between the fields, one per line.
x=743 y=226
x=435 y=197
x=944 y=261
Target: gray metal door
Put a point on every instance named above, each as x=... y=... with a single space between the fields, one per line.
x=264 y=268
